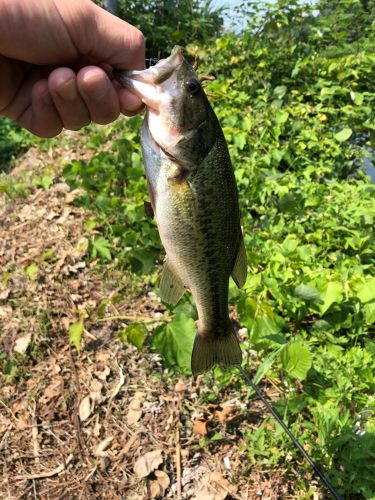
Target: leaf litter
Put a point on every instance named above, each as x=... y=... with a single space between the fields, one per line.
x=110 y=419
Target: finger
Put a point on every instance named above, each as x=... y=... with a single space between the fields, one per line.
x=41 y=118
x=69 y=104
x=130 y=104
x=98 y=94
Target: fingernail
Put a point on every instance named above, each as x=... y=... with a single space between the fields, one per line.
x=98 y=87
x=46 y=99
x=68 y=91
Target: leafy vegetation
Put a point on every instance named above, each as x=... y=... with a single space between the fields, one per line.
x=294 y=94
x=166 y=23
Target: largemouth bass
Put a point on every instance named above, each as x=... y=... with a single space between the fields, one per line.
x=194 y=197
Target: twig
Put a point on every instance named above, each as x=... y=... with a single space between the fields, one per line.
x=128 y=318
x=34 y=433
x=77 y=425
x=41 y=475
x=178 y=463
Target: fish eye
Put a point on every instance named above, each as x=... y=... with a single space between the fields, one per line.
x=193 y=86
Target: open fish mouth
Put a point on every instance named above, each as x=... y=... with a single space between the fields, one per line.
x=145 y=83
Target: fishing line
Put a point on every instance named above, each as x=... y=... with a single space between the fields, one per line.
x=275 y=415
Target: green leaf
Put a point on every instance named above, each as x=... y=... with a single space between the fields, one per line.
x=357 y=98
x=136 y=334
x=334 y=293
x=366 y=292
x=343 y=135
x=279 y=91
x=101 y=246
x=75 y=334
x=48 y=254
x=307 y=293
x=45 y=182
x=296 y=360
x=32 y=271
x=102 y=308
x=266 y=365
x=174 y=341
x=281 y=117
x=240 y=140
x=259 y=318
x=369 y=310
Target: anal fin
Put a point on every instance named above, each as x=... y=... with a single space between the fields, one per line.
x=171 y=287
x=239 y=272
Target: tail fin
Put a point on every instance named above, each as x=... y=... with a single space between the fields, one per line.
x=208 y=351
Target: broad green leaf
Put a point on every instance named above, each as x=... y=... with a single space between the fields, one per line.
x=259 y=318
x=307 y=293
x=333 y=293
x=343 y=135
x=369 y=310
x=45 y=182
x=296 y=360
x=174 y=341
x=136 y=334
x=290 y=244
x=75 y=334
x=102 y=307
x=281 y=117
x=266 y=365
x=240 y=140
x=102 y=247
x=32 y=271
x=366 y=292
x=48 y=254
x=357 y=98
x=279 y=91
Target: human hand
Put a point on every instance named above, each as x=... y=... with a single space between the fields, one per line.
x=56 y=58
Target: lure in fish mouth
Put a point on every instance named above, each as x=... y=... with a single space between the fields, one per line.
x=194 y=197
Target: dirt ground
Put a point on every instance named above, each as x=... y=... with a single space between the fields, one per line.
x=108 y=422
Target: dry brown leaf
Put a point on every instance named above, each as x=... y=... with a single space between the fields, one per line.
x=213 y=486
x=148 y=463
x=163 y=479
x=102 y=356
x=180 y=386
x=222 y=415
x=135 y=408
x=53 y=390
x=96 y=391
x=200 y=427
x=119 y=384
x=102 y=446
x=5 y=311
x=22 y=343
x=85 y=408
x=4 y=294
x=156 y=491
x=102 y=373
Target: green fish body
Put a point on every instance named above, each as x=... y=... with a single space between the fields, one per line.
x=194 y=197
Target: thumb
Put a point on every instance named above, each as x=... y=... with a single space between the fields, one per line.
x=116 y=42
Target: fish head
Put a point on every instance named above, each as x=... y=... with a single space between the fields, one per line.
x=178 y=114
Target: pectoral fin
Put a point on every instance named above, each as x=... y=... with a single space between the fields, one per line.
x=171 y=287
x=240 y=269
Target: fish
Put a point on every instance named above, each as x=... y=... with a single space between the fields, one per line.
x=194 y=198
